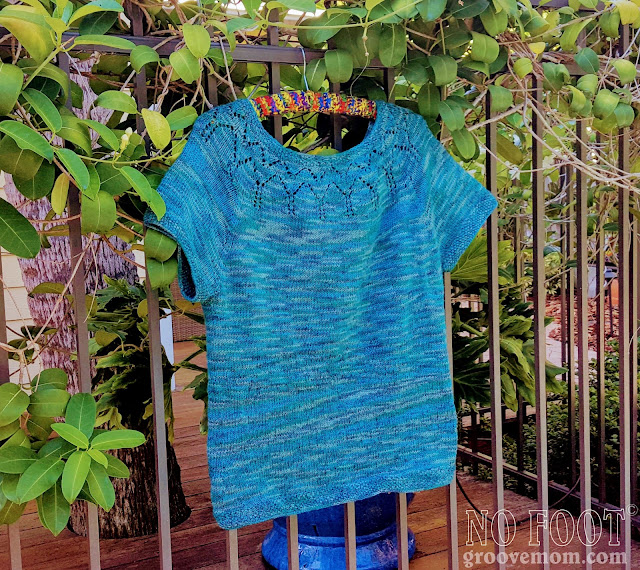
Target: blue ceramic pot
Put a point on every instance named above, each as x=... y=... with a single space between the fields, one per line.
x=321 y=537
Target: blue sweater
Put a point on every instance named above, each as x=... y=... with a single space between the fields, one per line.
x=321 y=281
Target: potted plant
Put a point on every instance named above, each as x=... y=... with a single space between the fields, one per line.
x=56 y=463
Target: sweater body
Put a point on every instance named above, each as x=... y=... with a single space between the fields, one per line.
x=321 y=282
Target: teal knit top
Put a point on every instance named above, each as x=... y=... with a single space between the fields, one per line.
x=321 y=282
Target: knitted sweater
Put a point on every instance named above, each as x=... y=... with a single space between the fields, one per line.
x=321 y=282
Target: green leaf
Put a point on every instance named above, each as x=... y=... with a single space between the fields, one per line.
x=624 y=115
x=42 y=105
x=465 y=143
x=11 y=78
x=100 y=486
x=81 y=413
x=118 y=101
x=393 y=45
x=197 y=39
x=405 y=9
x=8 y=430
x=38 y=184
x=494 y=22
x=18 y=439
x=97 y=23
x=27 y=139
x=142 y=55
x=13 y=402
x=162 y=274
x=578 y=99
x=429 y=100
x=30 y=29
x=72 y=434
x=588 y=84
x=315 y=73
x=626 y=70
x=468 y=9
x=11 y=512
x=111 y=179
x=50 y=402
x=501 y=98
x=157 y=127
x=301 y=5
x=444 y=69
x=59 y=194
x=17 y=235
x=142 y=187
x=16 y=459
x=339 y=65
x=76 y=132
x=117 y=439
x=605 y=103
x=158 y=246
x=523 y=67
x=108 y=41
x=75 y=474
x=39 y=477
x=99 y=215
x=588 y=60
x=569 y=38
x=507 y=150
x=182 y=118
x=51 y=377
x=57 y=447
x=185 y=64
x=39 y=427
x=116 y=468
x=629 y=11
x=610 y=23
x=99 y=457
x=484 y=48
x=431 y=10
x=325 y=27
x=95 y=6
x=452 y=114
x=107 y=136
x=75 y=167
x=53 y=510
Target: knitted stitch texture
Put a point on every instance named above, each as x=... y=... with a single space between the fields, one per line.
x=321 y=281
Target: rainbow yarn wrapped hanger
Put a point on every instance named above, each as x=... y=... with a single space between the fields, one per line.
x=291 y=102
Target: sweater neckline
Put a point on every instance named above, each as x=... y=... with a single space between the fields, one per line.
x=271 y=144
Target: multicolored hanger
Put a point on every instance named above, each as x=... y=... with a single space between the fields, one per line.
x=290 y=102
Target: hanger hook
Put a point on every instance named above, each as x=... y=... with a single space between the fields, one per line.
x=304 y=68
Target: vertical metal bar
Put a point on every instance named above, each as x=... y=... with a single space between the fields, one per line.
x=539 y=305
x=568 y=322
x=82 y=332
x=522 y=407
x=233 y=562
x=402 y=530
x=336 y=122
x=274 y=73
x=350 y=535
x=155 y=354
x=15 y=552
x=293 y=552
x=584 y=434
x=493 y=316
x=600 y=353
x=624 y=279
x=633 y=350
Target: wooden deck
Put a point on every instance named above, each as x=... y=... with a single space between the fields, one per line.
x=200 y=543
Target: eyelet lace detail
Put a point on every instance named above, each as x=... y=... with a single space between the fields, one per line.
x=356 y=182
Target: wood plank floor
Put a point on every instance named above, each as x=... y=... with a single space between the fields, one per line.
x=199 y=543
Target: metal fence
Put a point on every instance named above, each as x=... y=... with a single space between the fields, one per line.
x=575 y=243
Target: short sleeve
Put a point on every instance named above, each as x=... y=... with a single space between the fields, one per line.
x=456 y=204
x=190 y=218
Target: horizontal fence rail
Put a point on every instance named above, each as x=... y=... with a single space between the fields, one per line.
x=574 y=238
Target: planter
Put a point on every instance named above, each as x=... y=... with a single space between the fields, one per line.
x=321 y=537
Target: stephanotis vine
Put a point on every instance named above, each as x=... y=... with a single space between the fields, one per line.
x=85 y=129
